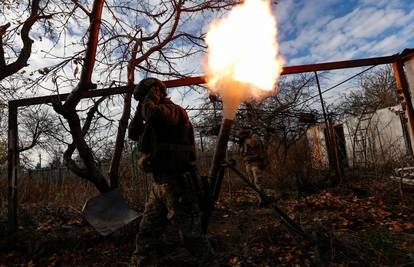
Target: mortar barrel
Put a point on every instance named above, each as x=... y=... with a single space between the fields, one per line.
x=216 y=172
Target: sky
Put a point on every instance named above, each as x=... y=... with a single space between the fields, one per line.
x=309 y=31
x=315 y=31
x=312 y=31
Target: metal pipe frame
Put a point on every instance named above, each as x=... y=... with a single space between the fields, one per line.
x=197 y=80
x=13 y=106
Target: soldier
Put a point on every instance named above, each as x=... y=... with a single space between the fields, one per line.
x=253 y=155
x=167 y=150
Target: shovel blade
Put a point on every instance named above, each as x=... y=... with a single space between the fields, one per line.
x=108 y=212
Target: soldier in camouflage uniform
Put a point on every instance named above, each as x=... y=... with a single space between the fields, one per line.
x=166 y=145
x=253 y=155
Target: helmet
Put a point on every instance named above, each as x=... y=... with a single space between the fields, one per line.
x=144 y=86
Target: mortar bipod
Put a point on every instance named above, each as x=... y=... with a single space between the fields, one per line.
x=269 y=201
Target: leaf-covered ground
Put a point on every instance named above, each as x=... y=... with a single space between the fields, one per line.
x=364 y=223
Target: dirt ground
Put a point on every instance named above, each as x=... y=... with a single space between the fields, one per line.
x=366 y=222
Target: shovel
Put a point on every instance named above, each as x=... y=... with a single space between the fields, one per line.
x=108 y=212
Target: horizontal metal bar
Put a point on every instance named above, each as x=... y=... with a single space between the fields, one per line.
x=340 y=64
x=102 y=92
x=202 y=79
x=61 y=97
x=407 y=54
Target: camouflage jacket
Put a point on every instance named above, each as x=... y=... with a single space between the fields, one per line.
x=252 y=149
x=166 y=138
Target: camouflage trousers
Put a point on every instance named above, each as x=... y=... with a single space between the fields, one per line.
x=175 y=204
x=255 y=173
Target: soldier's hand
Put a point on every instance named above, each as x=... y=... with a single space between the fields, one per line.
x=213 y=97
x=144 y=162
x=155 y=94
x=136 y=126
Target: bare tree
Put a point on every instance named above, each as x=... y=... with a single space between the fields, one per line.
x=38 y=126
x=3 y=144
x=278 y=116
x=376 y=89
x=281 y=120
x=24 y=20
x=153 y=49
x=16 y=58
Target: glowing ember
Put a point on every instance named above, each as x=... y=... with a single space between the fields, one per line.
x=243 y=59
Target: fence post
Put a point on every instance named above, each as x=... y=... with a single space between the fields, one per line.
x=405 y=98
x=330 y=142
x=12 y=161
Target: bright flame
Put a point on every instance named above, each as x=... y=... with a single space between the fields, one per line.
x=243 y=59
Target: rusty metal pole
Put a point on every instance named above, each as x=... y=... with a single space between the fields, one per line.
x=404 y=93
x=322 y=103
x=12 y=168
x=328 y=134
x=332 y=155
x=187 y=81
x=338 y=163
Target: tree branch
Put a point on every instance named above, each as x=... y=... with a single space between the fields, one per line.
x=3 y=30
x=86 y=126
x=26 y=50
x=90 y=57
x=158 y=47
x=76 y=2
x=123 y=123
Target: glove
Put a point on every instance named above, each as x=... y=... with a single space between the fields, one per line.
x=155 y=95
x=213 y=97
x=137 y=126
x=150 y=103
x=144 y=162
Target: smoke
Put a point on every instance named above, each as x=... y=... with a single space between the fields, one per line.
x=233 y=93
x=243 y=60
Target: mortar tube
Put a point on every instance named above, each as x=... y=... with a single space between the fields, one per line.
x=216 y=171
